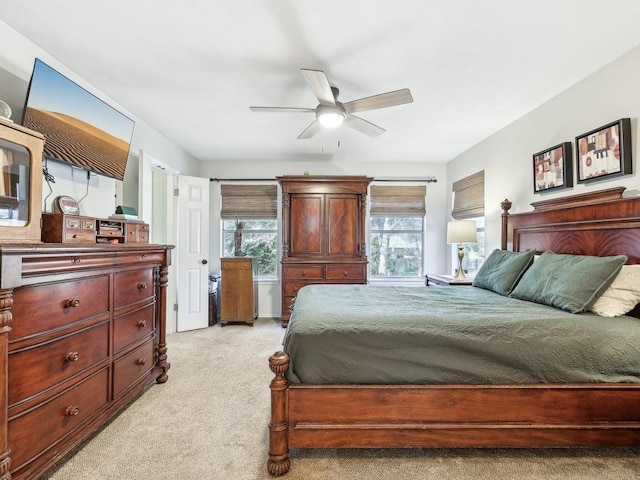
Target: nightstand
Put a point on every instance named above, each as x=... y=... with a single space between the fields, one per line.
x=446 y=280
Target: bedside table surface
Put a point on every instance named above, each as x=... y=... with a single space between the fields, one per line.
x=446 y=280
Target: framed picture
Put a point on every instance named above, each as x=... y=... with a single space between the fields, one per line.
x=604 y=152
x=552 y=168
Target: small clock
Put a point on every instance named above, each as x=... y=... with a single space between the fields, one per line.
x=66 y=205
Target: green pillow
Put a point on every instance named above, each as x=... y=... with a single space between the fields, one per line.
x=569 y=282
x=501 y=271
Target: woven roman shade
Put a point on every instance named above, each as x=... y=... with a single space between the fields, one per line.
x=468 y=197
x=249 y=201
x=398 y=201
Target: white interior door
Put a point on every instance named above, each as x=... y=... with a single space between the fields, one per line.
x=193 y=253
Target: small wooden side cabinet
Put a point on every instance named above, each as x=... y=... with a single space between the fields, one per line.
x=445 y=280
x=239 y=290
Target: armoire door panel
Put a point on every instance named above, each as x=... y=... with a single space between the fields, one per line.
x=342 y=222
x=306 y=231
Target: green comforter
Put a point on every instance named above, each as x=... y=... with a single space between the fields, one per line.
x=377 y=334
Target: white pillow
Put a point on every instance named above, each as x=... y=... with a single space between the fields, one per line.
x=622 y=295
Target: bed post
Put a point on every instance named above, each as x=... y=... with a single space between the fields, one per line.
x=279 y=463
x=506 y=205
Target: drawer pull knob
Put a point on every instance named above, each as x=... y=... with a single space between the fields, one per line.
x=295 y=289
x=142 y=285
x=141 y=361
x=144 y=255
x=75 y=259
x=304 y=273
x=345 y=273
x=72 y=411
x=72 y=356
x=72 y=302
x=142 y=323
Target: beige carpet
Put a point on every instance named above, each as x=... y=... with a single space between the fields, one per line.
x=209 y=421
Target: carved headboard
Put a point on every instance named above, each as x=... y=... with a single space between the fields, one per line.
x=597 y=223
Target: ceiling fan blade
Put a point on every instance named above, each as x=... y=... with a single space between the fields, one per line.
x=364 y=126
x=383 y=100
x=319 y=85
x=311 y=130
x=283 y=109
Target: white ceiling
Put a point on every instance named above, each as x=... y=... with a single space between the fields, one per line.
x=191 y=69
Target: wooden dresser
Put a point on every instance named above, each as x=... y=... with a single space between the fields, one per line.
x=239 y=290
x=82 y=333
x=323 y=231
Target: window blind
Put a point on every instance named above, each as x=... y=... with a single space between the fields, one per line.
x=398 y=201
x=468 y=197
x=249 y=201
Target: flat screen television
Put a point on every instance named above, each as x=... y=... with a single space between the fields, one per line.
x=79 y=128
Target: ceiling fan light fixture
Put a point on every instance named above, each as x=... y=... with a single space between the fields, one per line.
x=330 y=116
x=331 y=120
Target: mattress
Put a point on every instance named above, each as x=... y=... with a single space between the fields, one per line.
x=343 y=334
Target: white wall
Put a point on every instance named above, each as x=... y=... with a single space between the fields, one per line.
x=506 y=157
x=436 y=218
x=16 y=64
x=17 y=57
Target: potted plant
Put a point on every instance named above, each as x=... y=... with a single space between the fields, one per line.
x=237 y=236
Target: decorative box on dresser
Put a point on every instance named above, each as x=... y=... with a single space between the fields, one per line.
x=82 y=333
x=239 y=295
x=323 y=228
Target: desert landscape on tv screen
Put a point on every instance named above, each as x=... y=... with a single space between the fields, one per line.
x=79 y=128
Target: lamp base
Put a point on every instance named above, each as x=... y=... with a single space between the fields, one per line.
x=460 y=272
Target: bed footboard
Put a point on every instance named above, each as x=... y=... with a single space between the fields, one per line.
x=447 y=416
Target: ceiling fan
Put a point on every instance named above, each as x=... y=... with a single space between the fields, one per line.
x=331 y=113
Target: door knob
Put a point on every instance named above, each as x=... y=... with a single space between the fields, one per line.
x=204 y=261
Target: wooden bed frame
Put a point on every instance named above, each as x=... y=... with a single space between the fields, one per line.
x=536 y=415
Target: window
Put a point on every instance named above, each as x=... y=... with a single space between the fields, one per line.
x=259 y=240
x=468 y=204
x=255 y=206
x=396 y=228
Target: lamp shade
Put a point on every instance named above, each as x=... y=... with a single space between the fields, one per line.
x=462 y=231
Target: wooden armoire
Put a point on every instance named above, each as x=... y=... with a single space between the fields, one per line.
x=323 y=232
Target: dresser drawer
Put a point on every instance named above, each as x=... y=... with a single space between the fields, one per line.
x=132 y=287
x=129 y=258
x=34 y=369
x=38 y=429
x=346 y=272
x=132 y=367
x=132 y=326
x=51 y=306
x=303 y=273
x=45 y=265
x=235 y=264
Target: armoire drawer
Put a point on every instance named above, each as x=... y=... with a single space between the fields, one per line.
x=132 y=287
x=310 y=272
x=132 y=366
x=35 y=369
x=52 y=306
x=55 y=419
x=292 y=288
x=346 y=272
x=131 y=327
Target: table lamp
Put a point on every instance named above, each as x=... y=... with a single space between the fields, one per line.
x=461 y=232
